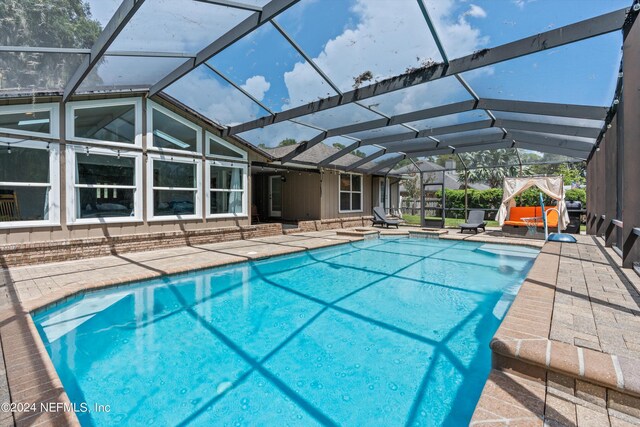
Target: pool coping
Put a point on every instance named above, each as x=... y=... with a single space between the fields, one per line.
x=521 y=346
x=31 y=376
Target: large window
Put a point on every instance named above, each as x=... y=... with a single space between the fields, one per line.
x=32 y=119
x=103 y=185
x=175 y=187
x=227 y=194
x=29 y=193
x=221 y=149
x=350 y=189
x=112 y=122
x=169 y=131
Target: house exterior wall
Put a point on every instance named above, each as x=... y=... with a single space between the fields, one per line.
x=66 y=231
x=330 y=197
x=301 y=196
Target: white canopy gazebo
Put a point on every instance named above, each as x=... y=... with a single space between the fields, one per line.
x=552 y=186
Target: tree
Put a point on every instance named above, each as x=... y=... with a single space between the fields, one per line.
x=493 y=167
x=49 y=23
x=572 y=173
x=402 y=163
x=286 y=142
x=412 y=187
x=355 y=152
x=262 y=145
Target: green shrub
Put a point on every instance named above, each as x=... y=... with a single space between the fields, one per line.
x=492 y=198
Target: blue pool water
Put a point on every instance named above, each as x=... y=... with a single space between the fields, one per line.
x=381 y=332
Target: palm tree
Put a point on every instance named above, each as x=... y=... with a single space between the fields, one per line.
x=492 y=166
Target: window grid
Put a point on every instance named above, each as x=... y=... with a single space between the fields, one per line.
x=151 y=106
x=75 y=153
x=351 y=192
x=51 y=215
x=153 y=188
x=211 y=165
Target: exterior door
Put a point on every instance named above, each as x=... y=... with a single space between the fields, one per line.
x=275 y=196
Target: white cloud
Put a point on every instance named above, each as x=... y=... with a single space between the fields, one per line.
x=387 y=44
x=257 y=86
x=476 y=11
x=522 y=3
x=223 y=104
x=382 y=42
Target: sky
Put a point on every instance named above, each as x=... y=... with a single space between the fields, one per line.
x=348 y=37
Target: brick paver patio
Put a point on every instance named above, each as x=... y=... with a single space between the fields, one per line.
x=595 y=306
x=566 y=353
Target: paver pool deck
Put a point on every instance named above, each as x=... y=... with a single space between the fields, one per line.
x=570 y=338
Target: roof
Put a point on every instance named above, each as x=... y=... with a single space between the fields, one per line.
x=316 y=154
x=433 y=173
x=420 y=79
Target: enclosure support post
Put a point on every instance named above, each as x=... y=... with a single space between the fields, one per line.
x=610 y=140
x=466 y=185
x=422 y=201
x=444 y=200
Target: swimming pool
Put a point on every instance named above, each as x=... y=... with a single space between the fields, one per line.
x=378 y=332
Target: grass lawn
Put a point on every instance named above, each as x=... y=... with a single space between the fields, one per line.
x=455 y=222
x=449 y=222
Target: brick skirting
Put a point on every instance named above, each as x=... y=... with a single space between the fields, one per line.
x=12 y=255
x=330 y=224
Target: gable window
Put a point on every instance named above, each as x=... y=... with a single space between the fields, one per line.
x=170 y=132
x=175 y=187
x=29 y=194
x=221 y=149
x=103 y=185
x=226 y=189
x=350 y=189
x=34 y=119
x=111 y=122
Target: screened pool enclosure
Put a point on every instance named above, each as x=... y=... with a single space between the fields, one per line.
x=389 y=81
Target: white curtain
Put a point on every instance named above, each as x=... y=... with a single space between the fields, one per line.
x=75 y=189
x=552 y=186
x=45 y=214
x=235 y=197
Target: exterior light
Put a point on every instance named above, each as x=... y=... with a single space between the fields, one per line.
x=118 y=154
x=597 y=148
x=8 y=148
x=616 y=101
x=170 y=139
x=87 y=151
x=609 y=126
x=33 y=122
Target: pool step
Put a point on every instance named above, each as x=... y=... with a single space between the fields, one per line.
x=518 y=251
